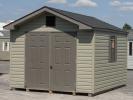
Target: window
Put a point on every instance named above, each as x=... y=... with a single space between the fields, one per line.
x=112 y=48
x=5 y=46
x=50 y=21
x=130 y=48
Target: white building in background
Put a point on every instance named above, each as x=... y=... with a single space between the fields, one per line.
x=130 y=49
x=4 y=43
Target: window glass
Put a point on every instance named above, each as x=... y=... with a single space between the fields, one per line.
x=113 y=47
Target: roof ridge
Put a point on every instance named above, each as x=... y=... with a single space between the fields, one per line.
x=69 y=11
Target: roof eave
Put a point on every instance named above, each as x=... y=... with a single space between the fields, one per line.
x=111 y=30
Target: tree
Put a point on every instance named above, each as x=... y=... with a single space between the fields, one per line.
x=127 y=27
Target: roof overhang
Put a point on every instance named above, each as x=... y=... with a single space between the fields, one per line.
x=11 y=26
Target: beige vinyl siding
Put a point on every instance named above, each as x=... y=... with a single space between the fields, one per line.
x=84 y=79
x=4 y=55
x=17 y=61
x=109 y=75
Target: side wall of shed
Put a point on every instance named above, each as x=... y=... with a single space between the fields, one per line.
x=109 y=75
x=17 y=59
x=85 y=62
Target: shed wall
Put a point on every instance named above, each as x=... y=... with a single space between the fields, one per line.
x=109 y=75
x=85 y=58
x=17 y=59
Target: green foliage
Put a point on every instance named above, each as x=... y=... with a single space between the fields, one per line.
x=127 y=27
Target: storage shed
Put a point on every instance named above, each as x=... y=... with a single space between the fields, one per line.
x=56 y=50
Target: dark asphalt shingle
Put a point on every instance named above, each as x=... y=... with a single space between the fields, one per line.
x=87 y=20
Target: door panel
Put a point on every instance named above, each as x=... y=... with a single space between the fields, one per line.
x=63 y=57
x=37 y=61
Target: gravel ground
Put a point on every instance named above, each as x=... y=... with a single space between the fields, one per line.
x=125 y=93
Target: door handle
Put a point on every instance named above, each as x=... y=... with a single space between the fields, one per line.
x=51 y=67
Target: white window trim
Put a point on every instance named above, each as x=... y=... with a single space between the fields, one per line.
x=3 y=46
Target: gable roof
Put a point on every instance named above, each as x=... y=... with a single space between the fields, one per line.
x=86 y=20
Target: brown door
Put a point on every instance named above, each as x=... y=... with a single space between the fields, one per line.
x=37 y=61
x=63 y=67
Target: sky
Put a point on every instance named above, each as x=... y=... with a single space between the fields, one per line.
x=115 y=12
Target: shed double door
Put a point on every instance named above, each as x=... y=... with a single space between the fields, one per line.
x=50 y=61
